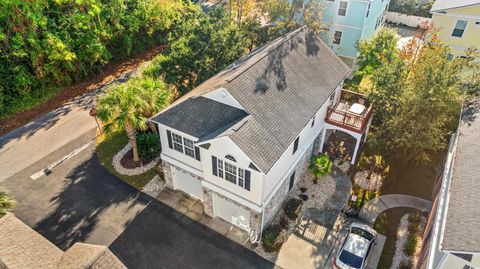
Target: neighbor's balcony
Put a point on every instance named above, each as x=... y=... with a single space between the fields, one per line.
x=352 y=112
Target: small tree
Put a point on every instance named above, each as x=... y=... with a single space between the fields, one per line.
x=320 y=165
x=7 y=203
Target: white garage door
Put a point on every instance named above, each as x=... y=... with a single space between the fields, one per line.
x=186 y=183
x=231 y=212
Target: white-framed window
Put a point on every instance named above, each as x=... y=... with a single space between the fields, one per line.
x=337 y=37
x=342 y=8
x=177 y=142
x=368 y=9
x=459 y=28
x=183 y=145
x=241 y=178
x=231 y=173
x=189 y=147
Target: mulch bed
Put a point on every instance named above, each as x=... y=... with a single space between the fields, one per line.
x=110 y=71
x=128 y=162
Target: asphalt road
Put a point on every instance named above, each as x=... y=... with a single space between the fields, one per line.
x=82 y=202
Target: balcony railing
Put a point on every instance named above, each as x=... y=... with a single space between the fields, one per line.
x=344 y=116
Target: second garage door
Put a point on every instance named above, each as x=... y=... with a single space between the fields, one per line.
x=187 y=183
x=231 y=212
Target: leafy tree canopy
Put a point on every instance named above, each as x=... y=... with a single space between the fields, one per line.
x=377 y=50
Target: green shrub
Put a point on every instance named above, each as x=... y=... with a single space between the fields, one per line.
x=148 y=146
x=270 y=238
x=413 y=229
x=292 y=208
x=410 y=245
x=321 y=165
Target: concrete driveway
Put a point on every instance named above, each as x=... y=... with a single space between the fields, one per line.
x=81 y=202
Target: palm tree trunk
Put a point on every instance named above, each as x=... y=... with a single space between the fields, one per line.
x=152 y=127
x=133 y=140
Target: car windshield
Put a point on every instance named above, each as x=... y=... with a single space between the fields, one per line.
x=362 y=233
x=350 y=259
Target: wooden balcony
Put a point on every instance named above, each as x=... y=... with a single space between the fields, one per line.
x=348 y=113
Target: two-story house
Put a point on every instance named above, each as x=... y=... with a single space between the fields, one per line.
x=349 y=21
x=241 y=140
x=452 y=234
x=458 y=24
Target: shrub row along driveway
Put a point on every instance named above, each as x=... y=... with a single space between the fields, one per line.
x=80 y=201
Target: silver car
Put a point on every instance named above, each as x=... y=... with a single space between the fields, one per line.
x=356 y=247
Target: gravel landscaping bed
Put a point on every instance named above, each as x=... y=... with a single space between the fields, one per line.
x=402 y=238
x=117 y=163
x=317 y=194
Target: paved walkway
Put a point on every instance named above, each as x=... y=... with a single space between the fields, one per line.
x=320 y=231
x=373 y=208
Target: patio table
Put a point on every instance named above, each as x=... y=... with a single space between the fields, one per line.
x=357 y=108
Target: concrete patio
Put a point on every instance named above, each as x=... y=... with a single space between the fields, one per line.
x=193 y=208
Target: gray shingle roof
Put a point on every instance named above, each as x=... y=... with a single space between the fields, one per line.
x=200 y=116
x=22 y=247
x=462 y=228
x=440 y=5
x=281 y=86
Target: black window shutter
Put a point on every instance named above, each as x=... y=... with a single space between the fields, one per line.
x=197 y=153
x=247 y=180
x=169 y=138
x=295 y=145
x=214 y=166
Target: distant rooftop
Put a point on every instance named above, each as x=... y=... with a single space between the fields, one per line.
x=462 y=228
x=21 y=247
x=441 y=5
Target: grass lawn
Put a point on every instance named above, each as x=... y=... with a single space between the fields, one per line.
x=387 y=224
x=107 y=147
x=412 y=179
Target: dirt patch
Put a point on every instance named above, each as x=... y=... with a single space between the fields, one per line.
x=110 y=71
x=128 y=162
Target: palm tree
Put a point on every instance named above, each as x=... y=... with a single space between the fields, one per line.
x=120 y=108
x=155 y=94
x=6 y=202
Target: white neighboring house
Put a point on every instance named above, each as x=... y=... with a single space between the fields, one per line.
x=452 y=234
x=241 y=140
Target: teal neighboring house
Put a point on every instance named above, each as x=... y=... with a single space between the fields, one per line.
x=349 y=21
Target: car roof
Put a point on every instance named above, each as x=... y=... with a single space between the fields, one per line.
x=356 y=245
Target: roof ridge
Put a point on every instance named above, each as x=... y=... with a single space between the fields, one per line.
x=286 y=38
